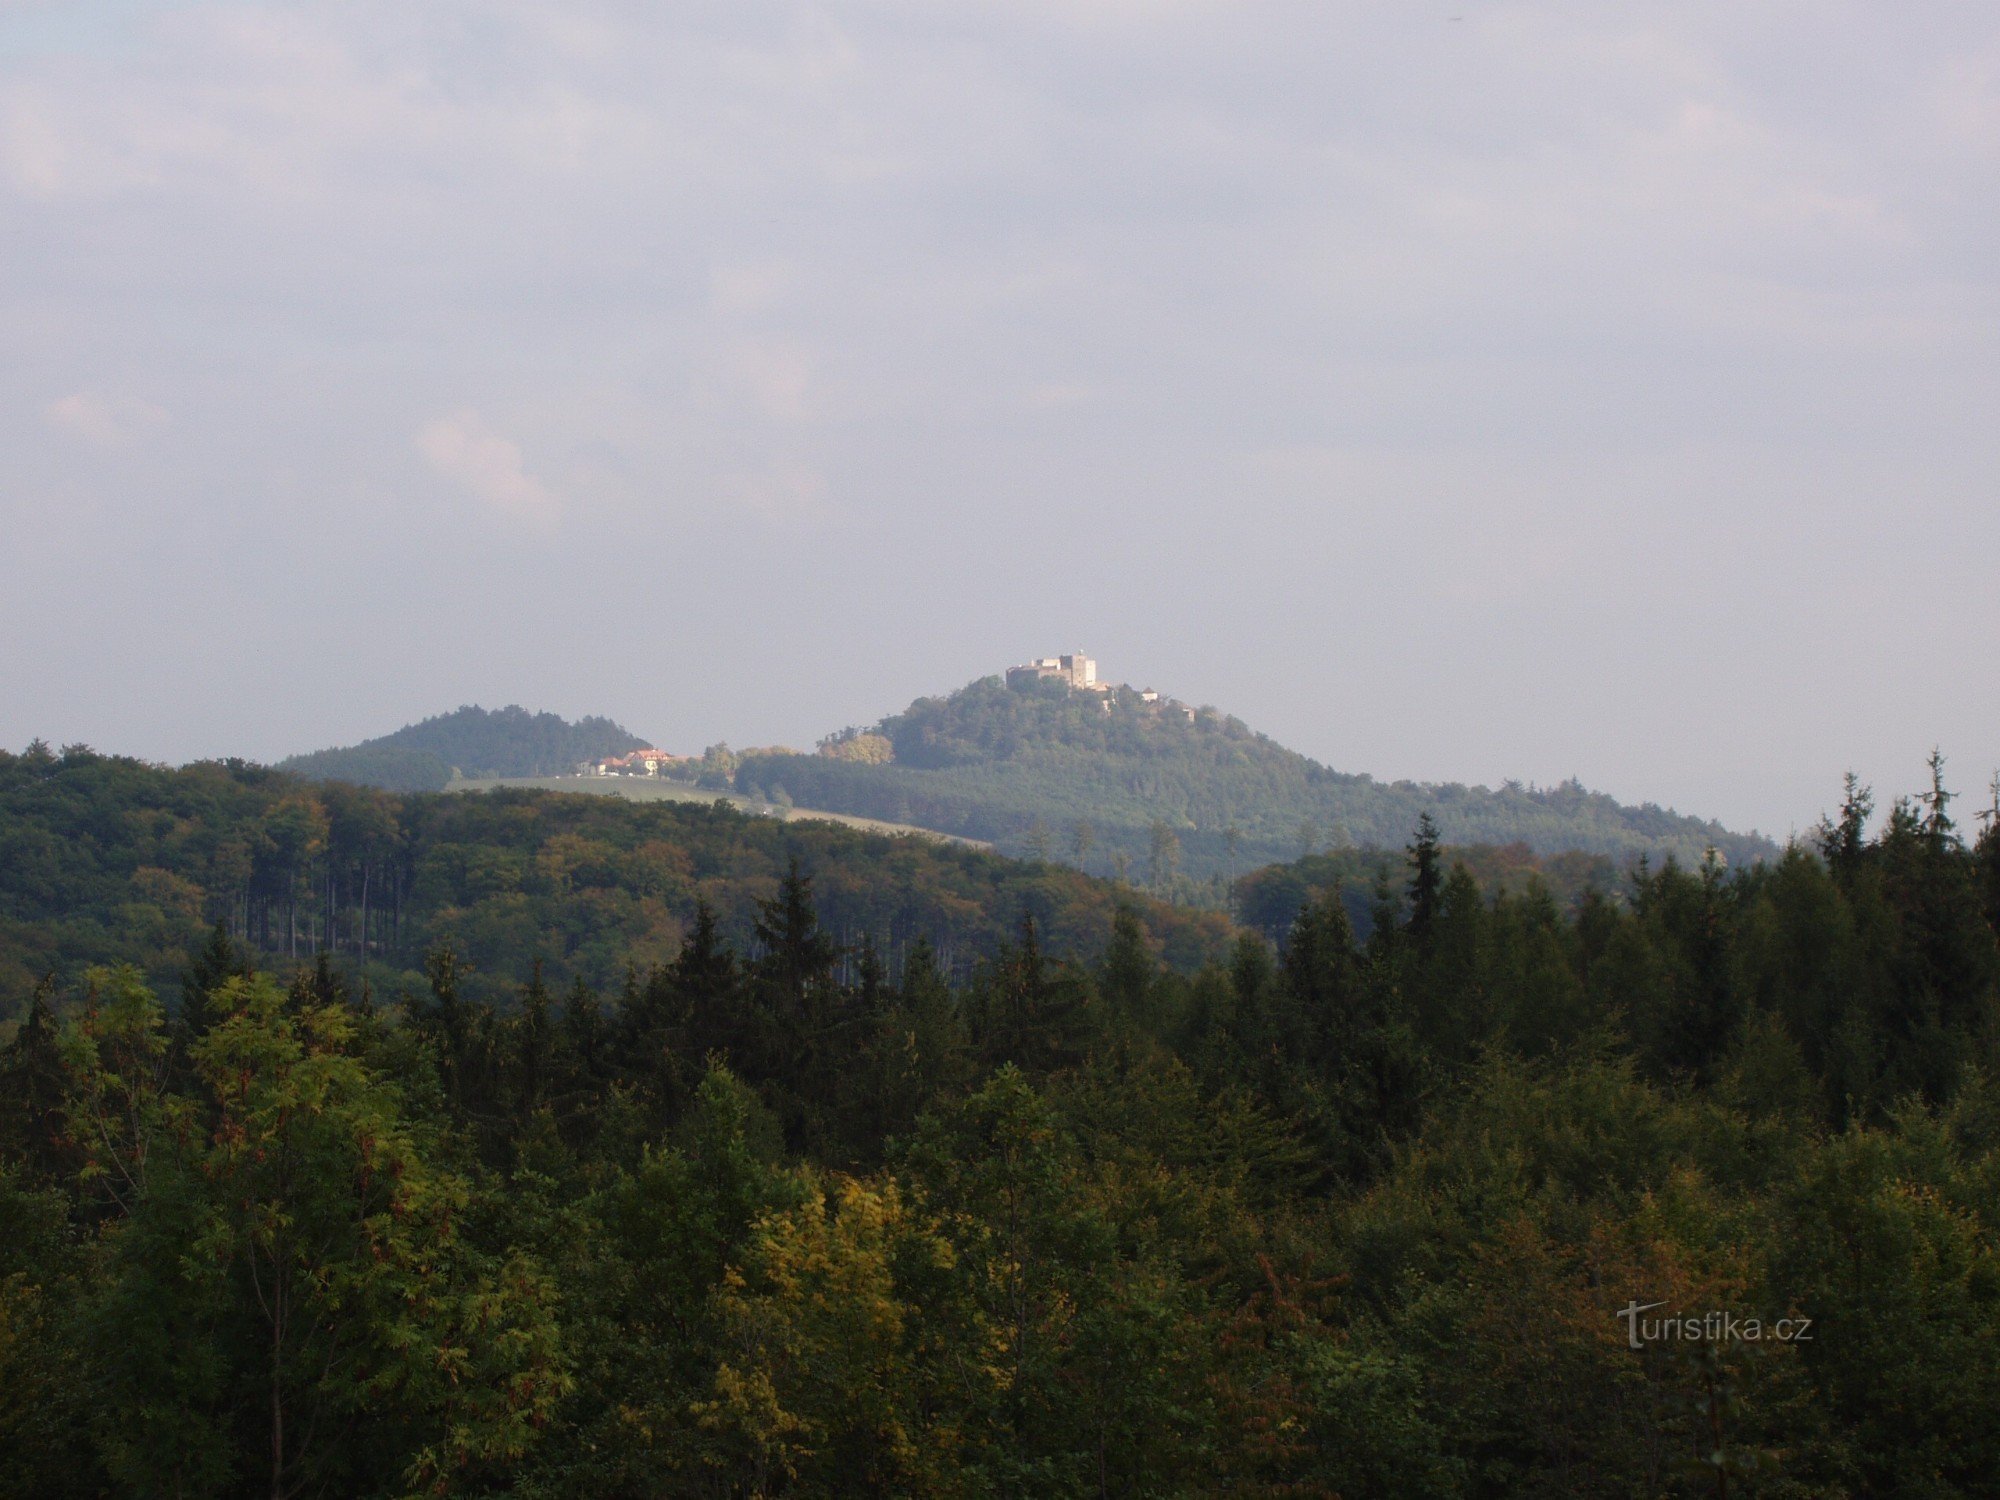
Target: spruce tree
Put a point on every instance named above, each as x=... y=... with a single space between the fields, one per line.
x=1426 y=880
x=33 y=1085
x=707 y=986
x=1843 y=843
x=534 y=1047
x=1128 y=980
x=218 y=962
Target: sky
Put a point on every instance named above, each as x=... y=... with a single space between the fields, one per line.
x=1453 y=391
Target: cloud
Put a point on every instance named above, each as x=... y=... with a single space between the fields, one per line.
x=802 y=294
x=464 y=449
x=777 y=377
x=104 y=421
x=1061 y=395
x=751 y=288
x=789 y=494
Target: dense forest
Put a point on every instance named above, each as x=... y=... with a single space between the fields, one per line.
x=1177 y=796
x=106 y=860
x=1181 y=800
x=1270 y=899
x=782 y=1213
x=469 y=742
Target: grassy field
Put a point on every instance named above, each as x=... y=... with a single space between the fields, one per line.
x=647 y=789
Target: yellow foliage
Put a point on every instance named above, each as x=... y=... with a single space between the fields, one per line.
x=865 y=749
x=821 y=1354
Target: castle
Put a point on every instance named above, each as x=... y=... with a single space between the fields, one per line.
x=1078 y=670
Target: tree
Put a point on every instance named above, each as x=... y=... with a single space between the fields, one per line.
x=1087 y=1384
x=1129 y=978
x=291 y=1305
x=795 y=998
x=1027 y=1010
x=534 y=1048
x=453 y=1029
x=218 y=962
x=1163 y=857
x=707 y=985
x=33 y=1087
x=924 y=1046
x=1426 y=880
x=46 y=1422
x=1037 y=841
x=1938 y=827
x=796 y=965
x=830 y=1384
x=1844 y=841
x=1986 y=856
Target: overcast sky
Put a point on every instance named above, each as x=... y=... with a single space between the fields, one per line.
x=1454 y=391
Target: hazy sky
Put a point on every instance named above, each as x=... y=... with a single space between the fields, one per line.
x=1454 y=391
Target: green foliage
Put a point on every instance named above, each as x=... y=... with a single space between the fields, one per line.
x=469 y=742
x=106 y=860
x=999 y=763
x=782 y=1209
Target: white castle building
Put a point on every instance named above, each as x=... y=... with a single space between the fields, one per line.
x=1078 y=670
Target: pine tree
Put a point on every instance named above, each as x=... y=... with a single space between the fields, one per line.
x=792 y=1050
x=708 y=987
x=1938 y=827
x=1843 y=843
x=534 y=1047
x=448 y=1023
x=1027 y=1009
x=33 y=1086
x=1426 y=880
x=1128 y=980
x=1986 y=856
x=583 y=1030
x=218 y=962
x=795 y=969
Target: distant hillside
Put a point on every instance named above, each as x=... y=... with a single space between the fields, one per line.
x=1170 y=794
x=1270 y=899
x=473 y=742
x=108 y=860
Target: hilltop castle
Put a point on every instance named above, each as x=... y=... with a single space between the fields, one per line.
x=1078 y=670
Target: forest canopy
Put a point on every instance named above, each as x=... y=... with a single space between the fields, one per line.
x=106 y=860
x=779 y=1213
x=469 y=742
x=1100 y=778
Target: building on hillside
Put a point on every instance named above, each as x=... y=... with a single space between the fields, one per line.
x=1078 y=670
x=1166 y=705
x=637 y=763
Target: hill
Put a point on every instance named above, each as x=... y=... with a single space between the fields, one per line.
x=663 y=789
x=109 y=860
x=473 y=742
x=1497 y=1199
x=1179 y=795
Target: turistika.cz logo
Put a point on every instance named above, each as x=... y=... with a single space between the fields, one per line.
x=1706 y=1328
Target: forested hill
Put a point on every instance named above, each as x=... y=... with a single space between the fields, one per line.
x=107 y=860
x=1108 y=780
x=1690 y=1193
x=473 y=741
